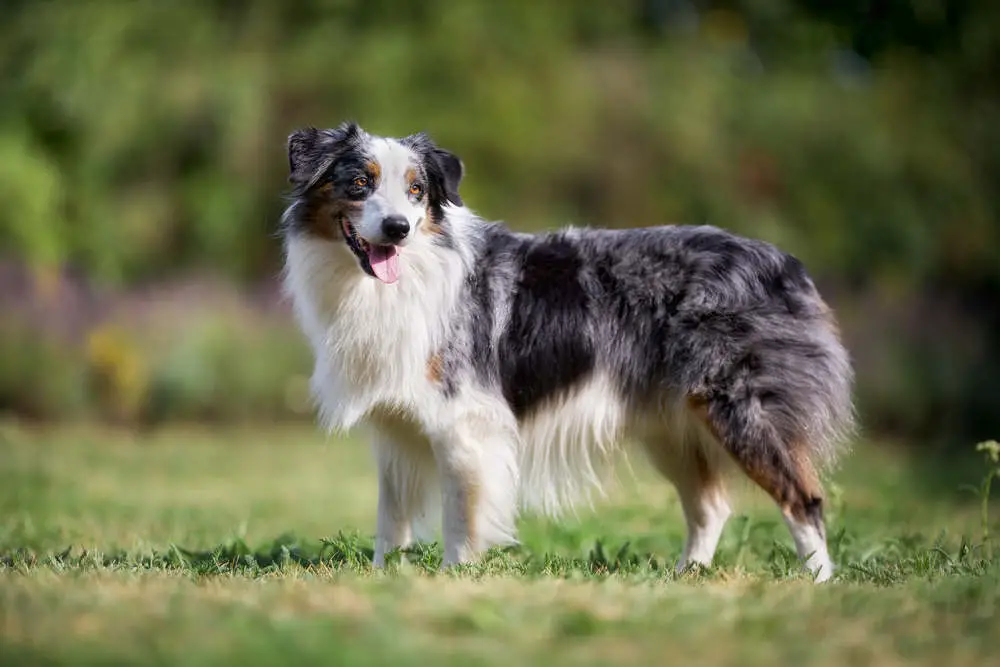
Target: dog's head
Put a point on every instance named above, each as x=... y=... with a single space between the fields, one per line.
x=374 y=194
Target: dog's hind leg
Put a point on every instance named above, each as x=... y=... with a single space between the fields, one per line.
x=477 y=464
x=699 y=485
x=406 y=481
x=779 y=465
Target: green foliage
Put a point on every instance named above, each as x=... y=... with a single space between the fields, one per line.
x=991 y=451
x=39 y=375
x=137 y=155
x=218 y=370
x=134 y=149
x=216 y=363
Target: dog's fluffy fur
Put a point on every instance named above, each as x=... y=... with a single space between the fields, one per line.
x=499 y=370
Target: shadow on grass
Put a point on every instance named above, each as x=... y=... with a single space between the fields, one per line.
x=349 y=553
x=892 y=561
x=232 y=556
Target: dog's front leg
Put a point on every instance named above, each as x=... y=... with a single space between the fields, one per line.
x=392 y=529
x=405 y=478
x=461 y=483
x=476 y=463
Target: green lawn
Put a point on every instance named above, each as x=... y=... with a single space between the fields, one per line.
x=251 y=546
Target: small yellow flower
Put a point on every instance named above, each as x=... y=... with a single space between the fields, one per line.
x=119 y=368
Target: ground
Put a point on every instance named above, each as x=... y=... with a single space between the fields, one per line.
x=197 y=546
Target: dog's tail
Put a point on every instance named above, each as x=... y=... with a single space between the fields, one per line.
x=783 y=407
x=809 y=380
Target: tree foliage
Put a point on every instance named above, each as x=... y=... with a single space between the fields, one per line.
x=141 y=140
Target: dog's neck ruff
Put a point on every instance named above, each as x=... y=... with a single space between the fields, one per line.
x=372 y=340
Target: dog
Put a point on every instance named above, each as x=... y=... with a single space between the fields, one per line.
x=499 y=371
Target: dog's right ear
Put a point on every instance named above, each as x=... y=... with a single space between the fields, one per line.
x=302 y=154
x=312 y=151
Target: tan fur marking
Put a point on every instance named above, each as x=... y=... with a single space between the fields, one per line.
x=805 y=473
x=471 y=487
x=706 y=475
x=375 y=169
x=792 y=493
x=435 y=369
x=323 y=214
x=323 y=220
x=411 y=176
x=430 y=226
x=791 y=489
x=699 y=407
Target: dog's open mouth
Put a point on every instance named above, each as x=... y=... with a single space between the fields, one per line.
x=378 y=261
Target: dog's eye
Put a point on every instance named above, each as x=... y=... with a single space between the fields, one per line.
x=361 y=181
x=416 y=189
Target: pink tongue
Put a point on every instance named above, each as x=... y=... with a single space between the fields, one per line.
x=384 y=262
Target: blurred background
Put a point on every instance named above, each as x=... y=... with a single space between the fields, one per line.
x=142 y=170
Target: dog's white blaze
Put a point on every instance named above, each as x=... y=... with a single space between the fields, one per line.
x=391 y=197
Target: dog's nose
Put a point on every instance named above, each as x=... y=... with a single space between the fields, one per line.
x=395 y=227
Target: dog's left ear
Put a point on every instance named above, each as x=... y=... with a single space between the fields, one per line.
x=443 y=167
x=452 y=171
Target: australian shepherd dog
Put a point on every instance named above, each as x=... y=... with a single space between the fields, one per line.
x=498 y=371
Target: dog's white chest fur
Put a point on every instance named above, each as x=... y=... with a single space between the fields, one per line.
x=371 y=341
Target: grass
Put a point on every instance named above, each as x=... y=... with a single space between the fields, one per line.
x=253 y=546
